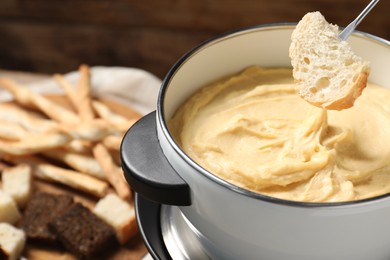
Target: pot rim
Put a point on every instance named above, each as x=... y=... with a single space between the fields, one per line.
x=250 y=194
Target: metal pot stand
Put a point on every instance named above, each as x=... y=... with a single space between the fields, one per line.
x=166 y=232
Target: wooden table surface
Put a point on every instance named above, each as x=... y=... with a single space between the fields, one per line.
x=57 y=36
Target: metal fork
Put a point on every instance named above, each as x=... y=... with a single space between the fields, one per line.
x=351 y=27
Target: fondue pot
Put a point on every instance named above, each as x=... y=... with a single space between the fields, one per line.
x=202 y=216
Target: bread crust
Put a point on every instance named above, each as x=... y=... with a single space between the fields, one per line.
x=122 y=218
x=127 y=231
x=327 y=72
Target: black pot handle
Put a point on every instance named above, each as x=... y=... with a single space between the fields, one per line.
x=147 y=170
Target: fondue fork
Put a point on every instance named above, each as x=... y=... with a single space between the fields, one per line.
x=352 y=26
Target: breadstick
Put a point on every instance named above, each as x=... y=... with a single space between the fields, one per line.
x=11 y=131
x=25 y=96
x=79 y=146
x=34 y=143
x=106 y=113
x=80 y=162
x=113 y=173
x=80 y=97
x=68 y=89
x=73 y=179
x=112 y=142
x=94 y=130
x=22 y=95
x=84 y=94
x=118 y=121
x=29 y=121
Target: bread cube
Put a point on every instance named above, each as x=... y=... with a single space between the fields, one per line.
x=9 y=212
x=12 y=241
x=83 y=233
x=17 y=182
x=42 y=208
x=119 y=214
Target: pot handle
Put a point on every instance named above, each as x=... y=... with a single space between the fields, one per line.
x=147 y=170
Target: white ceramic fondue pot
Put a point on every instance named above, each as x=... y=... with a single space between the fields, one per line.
x=242 y=224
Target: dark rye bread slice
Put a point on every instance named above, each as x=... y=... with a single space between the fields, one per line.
x=82 y=233
x=40 y=210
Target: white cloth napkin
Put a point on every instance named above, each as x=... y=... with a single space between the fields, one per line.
x=135 y=87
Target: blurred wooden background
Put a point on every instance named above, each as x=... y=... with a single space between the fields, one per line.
x=48 y=36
